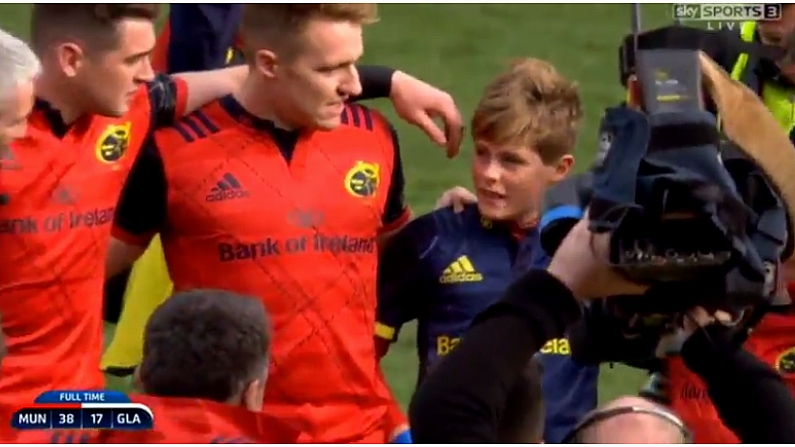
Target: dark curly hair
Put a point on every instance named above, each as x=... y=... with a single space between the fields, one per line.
x=205 y=344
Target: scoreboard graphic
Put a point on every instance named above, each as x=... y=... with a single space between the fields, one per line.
x=76 y=410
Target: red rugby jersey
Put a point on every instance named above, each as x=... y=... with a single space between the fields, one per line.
x=291 y=218
x=176 y=421
x=58 y=192
x=196 y=421
x=772 y=341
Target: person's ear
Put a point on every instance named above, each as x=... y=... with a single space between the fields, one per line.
x=70 y=58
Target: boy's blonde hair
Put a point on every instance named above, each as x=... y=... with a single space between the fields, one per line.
x=530 y=105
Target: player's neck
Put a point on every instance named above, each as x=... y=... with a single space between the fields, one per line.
x=52 y=91
x=255 y=98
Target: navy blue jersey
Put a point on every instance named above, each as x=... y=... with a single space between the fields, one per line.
x=442 y=270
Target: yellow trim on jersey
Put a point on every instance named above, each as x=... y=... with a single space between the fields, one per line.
x=384 y=331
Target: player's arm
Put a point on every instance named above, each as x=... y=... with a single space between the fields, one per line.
x=141 y=211
x=402 y=289
x=202 y=87
x=173 y=96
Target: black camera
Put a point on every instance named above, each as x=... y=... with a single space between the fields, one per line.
x=686 y=212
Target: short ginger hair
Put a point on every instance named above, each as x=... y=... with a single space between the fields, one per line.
x=279 y=25
x=532 y=105
x=92 y=23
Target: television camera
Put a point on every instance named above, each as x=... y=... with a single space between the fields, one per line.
x=696 y=208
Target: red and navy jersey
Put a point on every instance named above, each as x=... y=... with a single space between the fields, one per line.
x=235 y=200
x=442 y=270
x=177 y=421
x=198 y=36
x=58 y=192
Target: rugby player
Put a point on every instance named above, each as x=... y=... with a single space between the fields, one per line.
x=282 y=191
x=200 y=37
x=203 y=374
x=62 y=186
x=98 y=101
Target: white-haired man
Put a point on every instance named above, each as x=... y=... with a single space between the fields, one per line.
x=18 y=69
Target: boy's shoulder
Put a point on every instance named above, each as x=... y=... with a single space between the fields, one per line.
x=447 y=221
x=439 y=226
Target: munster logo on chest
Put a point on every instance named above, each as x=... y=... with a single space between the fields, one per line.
x=113 y=143
x=363 y=179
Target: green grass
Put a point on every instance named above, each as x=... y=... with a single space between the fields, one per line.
x=459 y=48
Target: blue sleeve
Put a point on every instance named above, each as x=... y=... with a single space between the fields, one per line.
x=402 y=289
x=201 y=35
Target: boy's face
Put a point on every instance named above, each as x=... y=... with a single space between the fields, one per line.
x=511 y=181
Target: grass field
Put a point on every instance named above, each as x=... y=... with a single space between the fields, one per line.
x=458 y=48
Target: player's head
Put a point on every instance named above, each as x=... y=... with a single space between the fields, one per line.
x=522 y=418
x=19 y=68
x=95 y=55
x=524 y=129
x=306 y=55
x=207 y=344
x=631 y=420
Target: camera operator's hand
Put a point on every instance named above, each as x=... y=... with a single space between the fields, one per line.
x=698 y=318
x=581 y=263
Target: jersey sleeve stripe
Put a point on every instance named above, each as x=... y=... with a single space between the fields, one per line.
x=384 y=331
x=197 y=130
x=344 y=118
x=205 y=121
x=355 y=115
x=368 y=117
x=396 y=224
x=183 y=131
x=360 y=116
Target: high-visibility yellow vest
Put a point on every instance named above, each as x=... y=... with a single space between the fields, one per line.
x=779 y=100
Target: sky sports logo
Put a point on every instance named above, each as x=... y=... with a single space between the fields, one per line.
x=730 y=12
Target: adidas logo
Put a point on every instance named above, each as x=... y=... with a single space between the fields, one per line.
x=228 y=188
x=460 y=271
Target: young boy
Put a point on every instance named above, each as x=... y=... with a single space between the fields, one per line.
x=446 y=267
